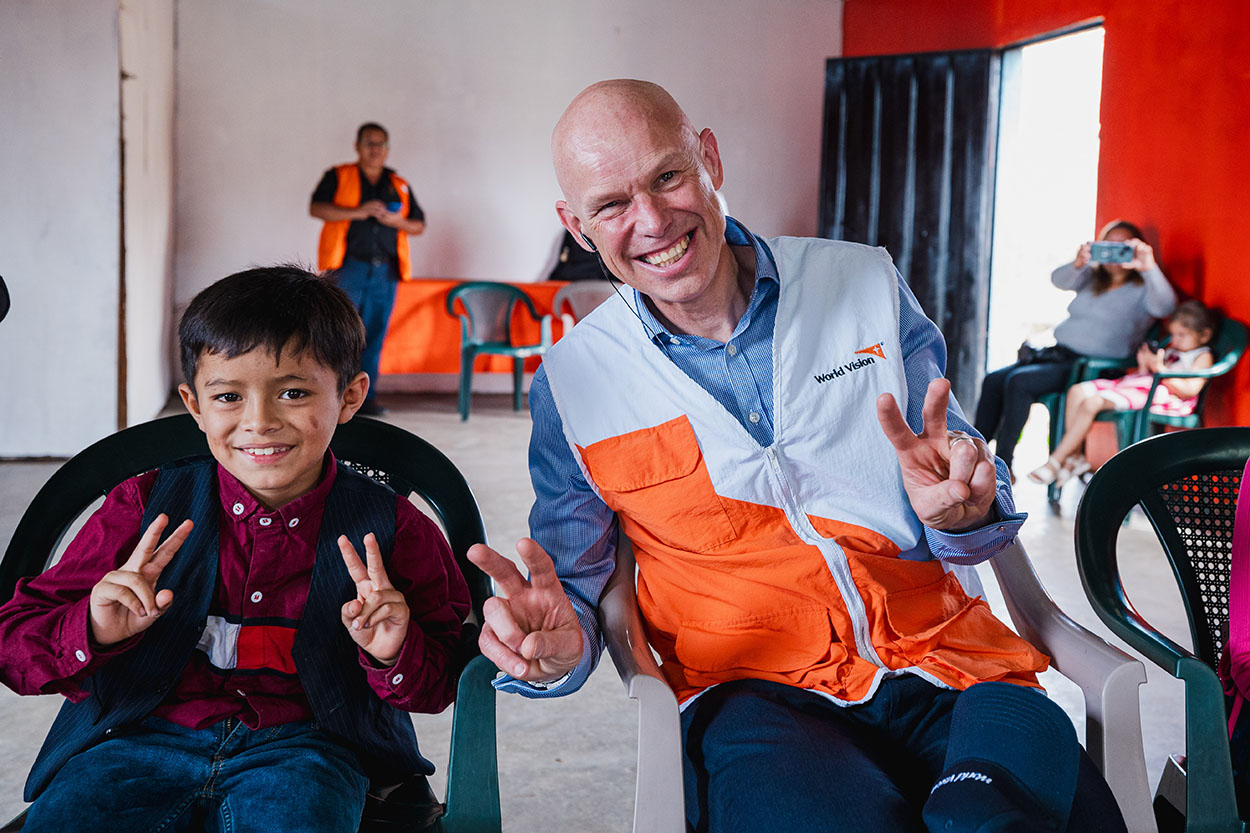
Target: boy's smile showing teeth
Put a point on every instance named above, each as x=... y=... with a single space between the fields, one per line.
x=670 y=255
x=267 y=451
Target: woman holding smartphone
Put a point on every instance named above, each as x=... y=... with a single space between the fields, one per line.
x=1115 y=304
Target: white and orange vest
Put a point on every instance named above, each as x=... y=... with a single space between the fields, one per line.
x=777 y=563
x=332 y=245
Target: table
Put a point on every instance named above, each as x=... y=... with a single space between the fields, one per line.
x=423 y=343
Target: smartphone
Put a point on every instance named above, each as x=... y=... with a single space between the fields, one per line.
x=1105 y=251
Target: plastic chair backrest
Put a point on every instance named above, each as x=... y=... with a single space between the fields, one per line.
x=581 y=297
x=1186 y=483
x=488 y=306
x=389 y=454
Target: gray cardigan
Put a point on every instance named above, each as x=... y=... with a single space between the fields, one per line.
x=1115 y=322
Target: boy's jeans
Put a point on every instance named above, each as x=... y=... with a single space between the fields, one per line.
x=226 y=777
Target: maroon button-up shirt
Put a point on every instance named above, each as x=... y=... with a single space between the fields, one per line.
x=243 y=666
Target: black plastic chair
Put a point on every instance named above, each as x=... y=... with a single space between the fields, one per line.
x=485 y=310
x=391 y=455
x=1186 y=483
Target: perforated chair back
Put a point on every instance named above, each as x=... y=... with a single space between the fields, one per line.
x=388 y=454
x=1186 y=483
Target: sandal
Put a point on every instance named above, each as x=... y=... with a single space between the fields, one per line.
x=1074 y=466
x=1047 y=473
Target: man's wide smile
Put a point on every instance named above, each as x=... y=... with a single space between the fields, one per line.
x=671 y=255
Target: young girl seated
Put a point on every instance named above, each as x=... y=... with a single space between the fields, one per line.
x=1191 y=327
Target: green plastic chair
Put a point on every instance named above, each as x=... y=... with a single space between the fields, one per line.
x=1186 y=483
x=485 y=311
x=1134 y=426
x=388 y=454
x=1085 y=368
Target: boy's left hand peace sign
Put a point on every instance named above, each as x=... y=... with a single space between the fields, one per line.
x=949 y=476
x=377 y=618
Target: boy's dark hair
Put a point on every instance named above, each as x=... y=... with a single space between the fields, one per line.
x=371 y=125
x=1196 y=315
x=275 y=307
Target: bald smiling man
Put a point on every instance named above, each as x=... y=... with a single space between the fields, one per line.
x=803 y=546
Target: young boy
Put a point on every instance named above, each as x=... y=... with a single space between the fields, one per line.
x=250 y=672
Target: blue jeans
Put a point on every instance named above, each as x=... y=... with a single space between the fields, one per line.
x=226 y=777
x=763 y=757
x=372 y=289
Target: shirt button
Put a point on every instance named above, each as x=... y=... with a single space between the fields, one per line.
x=257 y=596
x=266 y=521
x=80 y=656
x=237 y=509
x=294 y=522
x=732 y=350
x=754 y=417
x=397 y=679
x=674 y=340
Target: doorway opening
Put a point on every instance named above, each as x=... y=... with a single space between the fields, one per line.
x=1046 y=184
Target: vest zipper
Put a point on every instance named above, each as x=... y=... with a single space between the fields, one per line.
x=835 y=559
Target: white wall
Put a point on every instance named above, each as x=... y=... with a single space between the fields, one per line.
x=147 y=59
x=59 y=164
x=270 y=94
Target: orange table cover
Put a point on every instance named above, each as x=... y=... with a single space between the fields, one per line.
x=425 y=338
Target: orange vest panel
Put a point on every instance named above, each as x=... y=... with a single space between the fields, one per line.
x=729 y=590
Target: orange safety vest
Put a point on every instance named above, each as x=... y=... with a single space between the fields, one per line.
x=779 y=563
x=332 y=247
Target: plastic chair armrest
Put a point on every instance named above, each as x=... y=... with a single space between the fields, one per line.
x=658 y=800
x=1108 y=678
x=472 y=770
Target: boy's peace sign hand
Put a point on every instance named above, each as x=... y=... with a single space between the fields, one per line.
x=949 y=475
x=125 y=601
x=378 y=617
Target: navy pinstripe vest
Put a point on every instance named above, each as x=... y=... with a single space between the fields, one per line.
x=129 y=687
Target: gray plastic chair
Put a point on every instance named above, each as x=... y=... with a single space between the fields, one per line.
x=1107 y=676
x=580 y=298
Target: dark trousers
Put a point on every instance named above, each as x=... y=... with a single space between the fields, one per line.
x=371 y=285
x=1007 y=394
x=762 y=756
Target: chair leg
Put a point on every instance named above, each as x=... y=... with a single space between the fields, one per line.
x=467 y=355
x=518 y=371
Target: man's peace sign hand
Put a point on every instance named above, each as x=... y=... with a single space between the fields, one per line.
x=378 y=617
x=949 y=476
x=125 y=601
x=531 y=630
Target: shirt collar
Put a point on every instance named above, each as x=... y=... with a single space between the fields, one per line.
x=301 y=515
x=736 y=234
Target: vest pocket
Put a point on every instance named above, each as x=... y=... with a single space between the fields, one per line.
x=657 y=479
x=782 y=642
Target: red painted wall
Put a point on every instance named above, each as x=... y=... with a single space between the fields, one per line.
x=1175 y=141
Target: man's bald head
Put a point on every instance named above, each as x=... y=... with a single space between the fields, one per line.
x=593 y=121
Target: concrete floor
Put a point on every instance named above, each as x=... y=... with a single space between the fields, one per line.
x=572 y=760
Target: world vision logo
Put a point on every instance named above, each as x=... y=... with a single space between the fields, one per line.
x=868 y=354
